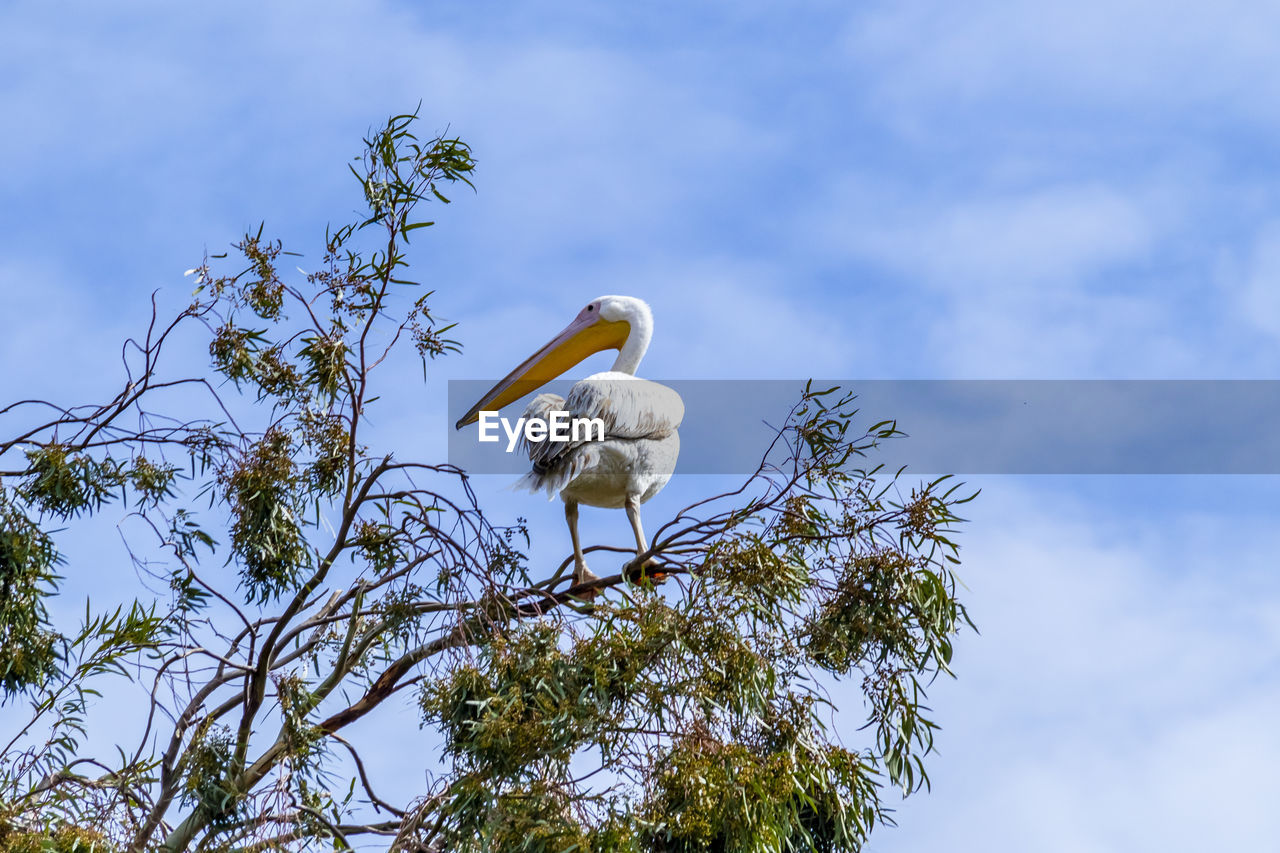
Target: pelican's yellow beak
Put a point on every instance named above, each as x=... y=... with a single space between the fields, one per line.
x=588 y=334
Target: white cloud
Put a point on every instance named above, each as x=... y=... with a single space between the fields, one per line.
x=1041 y=236
x=1258 y=296
x=1121 y=694
x=1148 y=56
x=1043 y=280
x=1079 y=172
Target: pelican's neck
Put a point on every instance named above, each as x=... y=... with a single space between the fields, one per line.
x=637 y=342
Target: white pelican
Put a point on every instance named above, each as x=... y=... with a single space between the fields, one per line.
x=638 y=453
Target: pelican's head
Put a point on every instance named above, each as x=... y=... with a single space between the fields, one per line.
x=623 y=323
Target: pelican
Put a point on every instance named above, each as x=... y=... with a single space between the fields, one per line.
x=638 y=452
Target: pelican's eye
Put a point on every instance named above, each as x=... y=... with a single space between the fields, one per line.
x=591 y=307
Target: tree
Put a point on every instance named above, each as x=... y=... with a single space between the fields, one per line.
x=308 y=577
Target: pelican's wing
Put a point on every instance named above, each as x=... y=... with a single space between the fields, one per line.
x=629 y=408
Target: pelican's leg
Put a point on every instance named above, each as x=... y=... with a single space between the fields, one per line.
x=581 y=574
x=632 y=504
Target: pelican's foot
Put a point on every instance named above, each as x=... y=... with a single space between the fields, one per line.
x=581 y=575
x=650 y=570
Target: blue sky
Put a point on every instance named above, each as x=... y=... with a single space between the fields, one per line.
x=872 y=190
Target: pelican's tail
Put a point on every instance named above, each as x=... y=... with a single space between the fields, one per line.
x=554 y=477
x=535 y=482
x=555 y=464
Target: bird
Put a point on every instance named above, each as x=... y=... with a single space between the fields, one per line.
x=636 y=455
